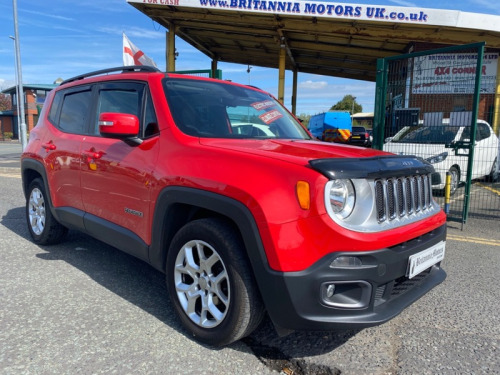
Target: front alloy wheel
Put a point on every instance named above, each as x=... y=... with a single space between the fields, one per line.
x=202 y=285
x=210 y=282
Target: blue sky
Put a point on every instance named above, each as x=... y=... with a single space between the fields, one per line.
x=64 y=38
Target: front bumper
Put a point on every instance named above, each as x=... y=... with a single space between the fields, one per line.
x=368 y=295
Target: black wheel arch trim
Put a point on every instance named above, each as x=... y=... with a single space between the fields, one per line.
x=37 y=166
x=266 y=278
x=234 y=210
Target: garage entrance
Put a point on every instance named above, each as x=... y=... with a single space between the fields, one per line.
x=438 y=105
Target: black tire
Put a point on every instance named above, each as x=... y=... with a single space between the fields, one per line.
x=494 y=174
x=43 y=227
x=219 y=272
x=455 y=180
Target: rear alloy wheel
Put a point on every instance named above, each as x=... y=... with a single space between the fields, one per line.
x=43 y=227
x=210 y=283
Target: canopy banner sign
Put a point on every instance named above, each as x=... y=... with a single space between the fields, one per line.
x=453 y=73
x=339 y=11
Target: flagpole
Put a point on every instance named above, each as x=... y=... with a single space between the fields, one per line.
x=22 y=129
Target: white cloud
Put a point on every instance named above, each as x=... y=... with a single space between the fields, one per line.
x=312 y=85
x=48 y=15
x=134 y=32
x=6 y=83
x=318 y=96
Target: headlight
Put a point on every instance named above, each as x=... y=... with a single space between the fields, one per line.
x=342 y=198
x=437 y=158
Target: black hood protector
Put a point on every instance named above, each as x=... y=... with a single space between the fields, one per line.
x=386 y=166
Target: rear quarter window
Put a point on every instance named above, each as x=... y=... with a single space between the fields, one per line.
x=55 y=106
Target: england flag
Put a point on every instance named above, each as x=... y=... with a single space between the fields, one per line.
x=133 y=55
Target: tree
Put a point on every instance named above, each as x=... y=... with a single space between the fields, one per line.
x=304 y=118
x=349 y=104
x=5 y=102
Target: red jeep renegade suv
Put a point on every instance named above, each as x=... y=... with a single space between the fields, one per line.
x=218 y=186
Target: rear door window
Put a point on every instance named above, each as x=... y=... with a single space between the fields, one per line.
x=75 y=110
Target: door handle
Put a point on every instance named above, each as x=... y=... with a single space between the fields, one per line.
x=93 y=154
x=49 y=146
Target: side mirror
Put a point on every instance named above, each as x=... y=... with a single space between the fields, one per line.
x=119 y=125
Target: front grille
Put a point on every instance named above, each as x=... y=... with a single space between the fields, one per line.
x=408 y=203
x=402 y=196
x=379 y=200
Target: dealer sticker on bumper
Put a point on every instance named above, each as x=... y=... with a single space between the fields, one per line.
x=423 y=260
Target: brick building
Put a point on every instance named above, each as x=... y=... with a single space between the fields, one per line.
x=445 y=87
x=34 y=97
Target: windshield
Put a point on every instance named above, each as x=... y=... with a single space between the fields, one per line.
x=221 y=110
x=426 y=134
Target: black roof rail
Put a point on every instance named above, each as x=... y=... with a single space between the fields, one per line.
x=123 y=69
x=255 y=87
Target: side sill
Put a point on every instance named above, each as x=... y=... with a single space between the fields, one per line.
x=103 y=230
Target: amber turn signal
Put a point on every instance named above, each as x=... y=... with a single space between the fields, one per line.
x=303 y=195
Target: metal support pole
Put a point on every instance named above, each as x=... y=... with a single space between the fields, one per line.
x=294 y=92
x=281 y=83
x=17 y=90
x=22 y=129
x=473 y=126
x=214 y=69
x=496 y=107
x=171 y=49
x=166 y=51
x=447 y=193
x=380 y=115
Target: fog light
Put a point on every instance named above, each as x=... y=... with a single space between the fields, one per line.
x=330 y=289
x=346 y=262
x=346 y=294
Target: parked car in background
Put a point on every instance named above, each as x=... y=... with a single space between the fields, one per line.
x=439 y=145
x=370 y=133
x=360 y=136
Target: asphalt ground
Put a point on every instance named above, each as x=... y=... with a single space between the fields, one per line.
x=10 y=153
x=85 y=307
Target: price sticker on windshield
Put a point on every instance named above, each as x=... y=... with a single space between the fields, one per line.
x=270 y=116
x=262 y=105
